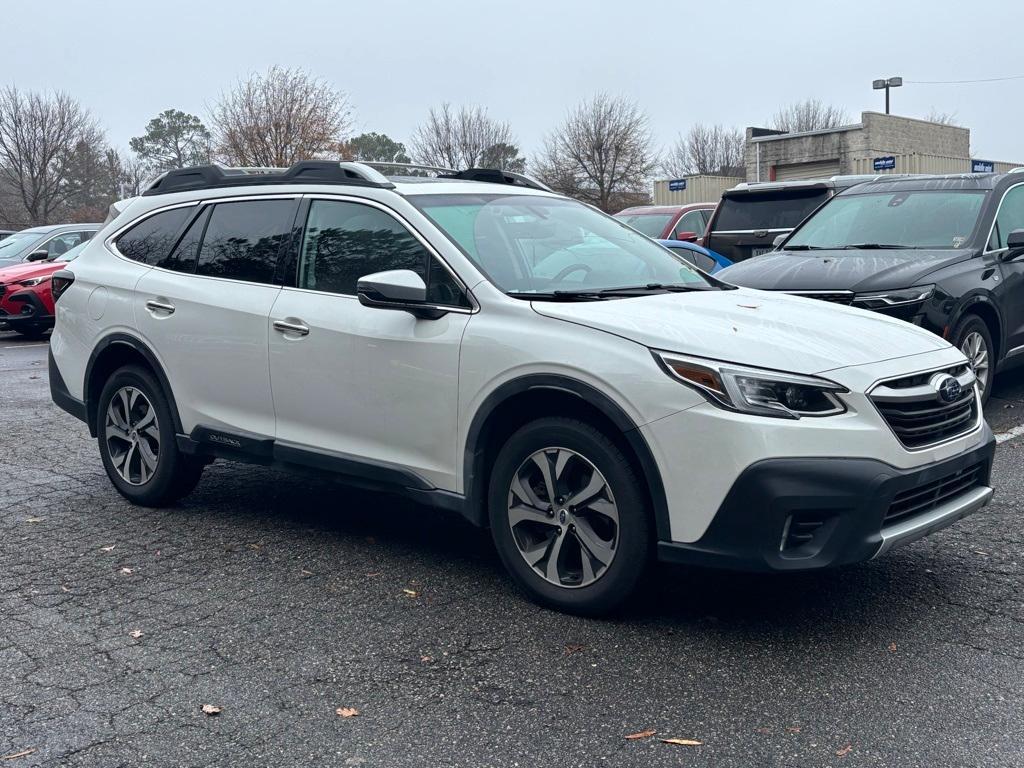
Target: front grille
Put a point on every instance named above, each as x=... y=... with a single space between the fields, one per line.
x=916 y=413
x=924 y=498
x=835 y=297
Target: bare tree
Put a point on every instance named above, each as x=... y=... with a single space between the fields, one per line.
x=466 y=138
x=711 y=149
x=38 y=135
x=602 y=153
x=944 y=118
x=808 y=115
x=278 y=118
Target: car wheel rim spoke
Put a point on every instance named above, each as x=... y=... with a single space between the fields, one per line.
x=132 y=434
x=976 y=352
x=563 y=517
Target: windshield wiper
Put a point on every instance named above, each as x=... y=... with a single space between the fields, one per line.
x=802 y=247
x=613 y=293
x=871 y=246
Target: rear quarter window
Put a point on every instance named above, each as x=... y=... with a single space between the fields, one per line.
x=150 y=241
x=767 y=210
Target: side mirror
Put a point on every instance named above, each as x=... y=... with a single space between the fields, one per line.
x=38 y=256
x=686 y=236
x=400 y=289
x=1014 y=244
x=779 y=240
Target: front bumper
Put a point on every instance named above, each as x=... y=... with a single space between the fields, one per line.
x=811 y=513
x=25 y=309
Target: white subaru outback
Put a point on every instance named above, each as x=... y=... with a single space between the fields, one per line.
x=480 y=344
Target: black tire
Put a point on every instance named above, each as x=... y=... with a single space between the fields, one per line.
x=972 y=324
x=633 y=546
x=175 y=474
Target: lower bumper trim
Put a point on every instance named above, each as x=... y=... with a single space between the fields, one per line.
x=935 y=520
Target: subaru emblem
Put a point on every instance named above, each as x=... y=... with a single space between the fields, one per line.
x=947 y=388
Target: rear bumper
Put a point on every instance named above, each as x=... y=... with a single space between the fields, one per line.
x=807 y=514
x=59 y=391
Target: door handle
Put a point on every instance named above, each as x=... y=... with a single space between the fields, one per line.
x=298 y=329
x=160 y=306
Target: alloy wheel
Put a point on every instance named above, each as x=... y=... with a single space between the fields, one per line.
x=976 y=350
x=132 y=432
x=563 y=517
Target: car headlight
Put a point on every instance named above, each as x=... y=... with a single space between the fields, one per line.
x=34 y=281
x=886 y=299
x=755 y=390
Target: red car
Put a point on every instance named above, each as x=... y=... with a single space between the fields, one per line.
x=669 y=222
x=26 y=299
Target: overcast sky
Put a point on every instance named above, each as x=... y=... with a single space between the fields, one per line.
x=527 y=61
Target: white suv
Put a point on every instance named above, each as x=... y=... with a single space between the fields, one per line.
x=480 y=344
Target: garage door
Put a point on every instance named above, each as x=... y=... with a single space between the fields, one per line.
x=807 y=170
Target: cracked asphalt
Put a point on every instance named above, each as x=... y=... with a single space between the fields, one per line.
x=280 y=599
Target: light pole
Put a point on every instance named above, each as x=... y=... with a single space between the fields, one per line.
x=892 y=82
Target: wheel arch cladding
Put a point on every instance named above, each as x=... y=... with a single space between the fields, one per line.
x=113 y=352
x=990 y=316
x=525 y=399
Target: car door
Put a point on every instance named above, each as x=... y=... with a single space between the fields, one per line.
x=372 y=385
x=1010 y=216
x=204 y=311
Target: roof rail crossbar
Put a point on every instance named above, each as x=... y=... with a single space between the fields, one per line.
x=397 y=168
x=305 y=172
x=497 y=176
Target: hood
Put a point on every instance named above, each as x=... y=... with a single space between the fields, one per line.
x=756 y=328
x=26 y=270
x=840 y=270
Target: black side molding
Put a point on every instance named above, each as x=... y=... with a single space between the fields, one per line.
x=59 y=391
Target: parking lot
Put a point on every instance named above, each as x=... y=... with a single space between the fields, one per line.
x=279 y=600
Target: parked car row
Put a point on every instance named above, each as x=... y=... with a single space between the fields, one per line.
x=27 y=260
x=485 y=346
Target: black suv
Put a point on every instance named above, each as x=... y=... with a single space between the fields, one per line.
x=752 y=215
x=942 y=252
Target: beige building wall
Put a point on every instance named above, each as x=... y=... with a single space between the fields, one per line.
x=699 y=189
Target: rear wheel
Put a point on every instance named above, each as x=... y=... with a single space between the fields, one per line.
x=971 y=337
x=568 y=516
x=137 y=441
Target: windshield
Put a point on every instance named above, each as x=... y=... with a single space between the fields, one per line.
x=527 y=244
x=906 y=219
x=778 y=209
x=651 y=224
x=14 y=248
x=72 y=254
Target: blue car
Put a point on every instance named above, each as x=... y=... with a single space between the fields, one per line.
x=700 y=257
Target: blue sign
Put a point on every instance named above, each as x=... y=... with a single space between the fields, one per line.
x=884 y=163
x=982 y=166
x=677 y=185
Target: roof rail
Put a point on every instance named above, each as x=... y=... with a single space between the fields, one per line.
x=305 y=172
x=498 y=176
x=397 y=168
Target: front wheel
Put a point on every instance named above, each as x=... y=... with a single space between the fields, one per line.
x=971 y=337
x=569 y=517
x=137 y=441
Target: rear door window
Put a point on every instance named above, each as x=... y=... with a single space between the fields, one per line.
x=244 y=239
x=778 y=209
x=151 y=239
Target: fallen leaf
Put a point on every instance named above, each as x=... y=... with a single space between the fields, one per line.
x=793 y=728
x=411 y=593
x=211 y=710
x=641 y=735
x=371 y=575
x=33 y=519
x=764 y=731
x=107 y=549
x=255 y=547
x=346 y=711
x=426 y=659
x=682 y=742
x=127 y=571
x=844 y=751
x=892 y=647
x=570 y=649
x=16 y=755
x=306 y=573
x=135 y=633
x=64 y=589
